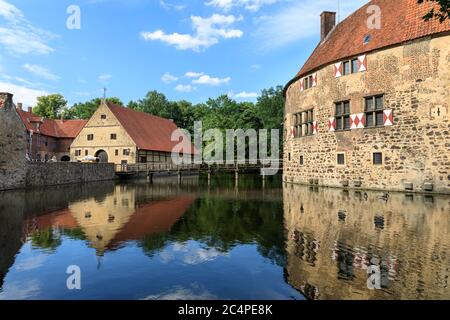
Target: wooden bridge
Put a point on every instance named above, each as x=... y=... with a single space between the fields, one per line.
x=265 y=167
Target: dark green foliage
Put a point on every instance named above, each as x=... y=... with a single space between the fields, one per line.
x=86 y=110
x=443 y=12
x=50 y=106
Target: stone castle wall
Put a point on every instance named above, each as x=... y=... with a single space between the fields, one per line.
x=415 y=81
x=12 y=145
x=59 y=173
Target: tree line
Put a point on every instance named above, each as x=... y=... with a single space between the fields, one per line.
x=222 y=112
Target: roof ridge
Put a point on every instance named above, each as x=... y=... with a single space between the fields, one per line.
x=137 y=111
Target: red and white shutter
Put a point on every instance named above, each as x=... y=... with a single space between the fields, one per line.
x=357 y=121
x=315 y=128
x=314 y=79
x=362 y=63
x=332 y=124
x=302 y=85
x=338 y=70
x=388 y=118
x=293 y=132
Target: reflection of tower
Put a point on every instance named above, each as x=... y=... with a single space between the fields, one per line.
x=374 y=233
x=11 y=225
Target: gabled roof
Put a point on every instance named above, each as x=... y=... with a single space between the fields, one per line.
x=68 y=129
x=401 y=21
x=149 y=132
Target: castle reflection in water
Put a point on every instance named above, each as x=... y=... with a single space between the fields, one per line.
x=334 y=236
x=247 y=242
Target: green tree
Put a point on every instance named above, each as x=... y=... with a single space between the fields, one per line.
x=157 y=104
x=50 y=106
x=440 y=12
x=87 y=109
x=270 y=107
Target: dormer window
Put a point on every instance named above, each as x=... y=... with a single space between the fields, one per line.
x=347 y=67
x=308 y=82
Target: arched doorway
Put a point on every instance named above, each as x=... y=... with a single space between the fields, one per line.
x=102 y=156
x=65 y=159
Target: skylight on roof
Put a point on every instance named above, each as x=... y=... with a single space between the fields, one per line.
x=367 y=39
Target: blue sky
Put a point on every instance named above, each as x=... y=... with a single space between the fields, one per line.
x=189 y=50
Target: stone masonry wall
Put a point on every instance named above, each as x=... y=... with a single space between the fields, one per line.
x=12 y=145
x=415 y=81
x=49 y=174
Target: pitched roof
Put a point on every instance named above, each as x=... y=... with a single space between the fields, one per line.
x=149 y=132
x=68 y=129
x=401 y=21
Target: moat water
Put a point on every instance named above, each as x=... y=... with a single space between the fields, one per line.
x=135 y=240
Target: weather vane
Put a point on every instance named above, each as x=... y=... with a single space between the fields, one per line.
x=104 y=93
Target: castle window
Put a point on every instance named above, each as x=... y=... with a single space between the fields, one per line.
x=103 y=116
x=117 y=152
x=302 y=160
x=308 y=82
x=303 y=123
x=377 y=158
x=86 y=152
x=113 y=136
x=126 y=152
x=342 y=116
x=355 y=66
x=90 y=137
x=77 y=153
x=346 y=68
x=341 y=159
x=374 y=109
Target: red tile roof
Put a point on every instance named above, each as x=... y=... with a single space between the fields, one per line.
x=401 y=21
x=68 y=129
x=149 y=132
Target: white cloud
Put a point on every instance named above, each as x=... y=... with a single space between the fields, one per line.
x=40 y=72
x=208 y=80
x=180 y=293
x=193 y=74
x=255 y=67
x=298 y=20
x=22 y=94
x=170 y=6
x=20 y=290
x=251 y=5
x=19 y=36
x=207 y=32
x=104 y=78
x=168 y=78
x=244 y=95
x=31 y=263
x=184 y=88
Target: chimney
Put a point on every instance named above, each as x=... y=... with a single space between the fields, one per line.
x=5 y=99
x=30 y=109
x=327 y=23
x=19 y=106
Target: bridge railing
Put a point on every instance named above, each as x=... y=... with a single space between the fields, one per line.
x=172 y=167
